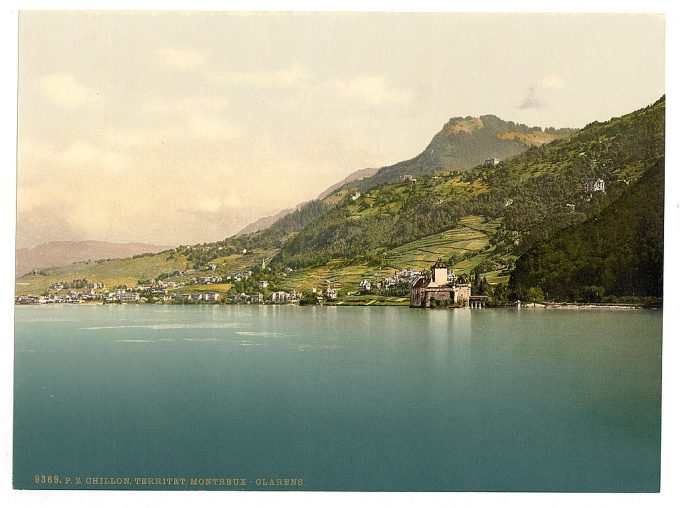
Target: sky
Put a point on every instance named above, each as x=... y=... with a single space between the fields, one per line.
x=177 y=128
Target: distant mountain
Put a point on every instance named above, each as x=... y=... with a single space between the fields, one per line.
x=264 y=222
x=463 y=143
x=53 y=254
x=466 y=142
x=357 y=175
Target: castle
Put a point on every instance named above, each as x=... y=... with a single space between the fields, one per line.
x=440 y=288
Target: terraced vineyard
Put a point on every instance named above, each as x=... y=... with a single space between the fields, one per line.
x=471 y=237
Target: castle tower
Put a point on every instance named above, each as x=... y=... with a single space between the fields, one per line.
x=439 y=273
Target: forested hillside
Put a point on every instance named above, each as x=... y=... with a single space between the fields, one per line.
x=618 y=252
x=534 y=194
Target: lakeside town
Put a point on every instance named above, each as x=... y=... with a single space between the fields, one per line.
x=438 y=286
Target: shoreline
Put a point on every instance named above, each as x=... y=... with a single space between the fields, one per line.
x=586 y=306
x=551 y=305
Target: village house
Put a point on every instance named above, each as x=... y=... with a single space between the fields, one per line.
x=440 y=287
x=263 y=284
x=211 y=297
x=492 y=162
x=407 y=274
x=159 y=290
x=595 y=185
x=72 y=297
x=407 y=178
x=331 y=293
x=209 y=280
x=365 y=285
x=30 y=299
x=129 y=297
x=256 y=298
x=279 y=297
x=356 y=196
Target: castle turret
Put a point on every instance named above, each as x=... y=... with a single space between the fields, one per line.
x=440 y=273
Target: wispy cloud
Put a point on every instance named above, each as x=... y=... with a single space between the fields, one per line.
x=553 y=81
x=542 y=91
x=531 y=101
x=210 y=127
x=187 y=104
x=82 y=153
x=184 y=59
x=65 y=91
x=373 y=89
x=293 y=75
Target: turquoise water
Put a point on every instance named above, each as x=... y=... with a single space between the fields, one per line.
x=342 y=398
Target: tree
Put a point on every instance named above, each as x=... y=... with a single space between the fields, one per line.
x=309 y=298
x=535 y=295
x=500 y=294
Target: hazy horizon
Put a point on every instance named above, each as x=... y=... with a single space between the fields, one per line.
x=178 y=128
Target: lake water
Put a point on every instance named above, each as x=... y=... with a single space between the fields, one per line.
x=343 y=398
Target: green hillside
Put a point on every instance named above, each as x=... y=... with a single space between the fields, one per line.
x=527 y=194
x=464 y=246
x=112 y=273
x=479 y=220
x=618 y=252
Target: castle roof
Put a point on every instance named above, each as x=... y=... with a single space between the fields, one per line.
x=439 y=264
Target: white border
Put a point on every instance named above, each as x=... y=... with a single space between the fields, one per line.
x=670 y=469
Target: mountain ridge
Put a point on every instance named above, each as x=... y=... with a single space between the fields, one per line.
x=462 y=143
x=466 y=142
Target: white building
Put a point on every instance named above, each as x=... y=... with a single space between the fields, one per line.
x=279 y=297
x=129 y=297
x=595 y=185
x=365 y=285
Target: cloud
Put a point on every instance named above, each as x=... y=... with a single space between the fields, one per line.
x=542 y=92
x=188 y=128
x=183 y=59
x=373 y=89
x=218 y=204
x=531 y=101
x=294 y=75
x=65 y=91
x=82 y=153
x=553 y=81
x=211 y=127
x=187 y=105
